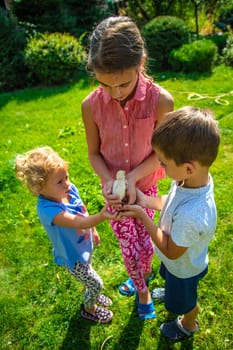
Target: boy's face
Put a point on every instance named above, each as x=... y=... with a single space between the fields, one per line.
x=176 y=172
x=118 y=85
x=57 y=185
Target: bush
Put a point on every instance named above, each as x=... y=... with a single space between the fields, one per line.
x=46 y=15
x=199 y=56
x=54 y=58
x=13 y=71
x=228 y=52
x=162 y=35
x=86 y=14
x=70 y=16
x=220 y=39
x=226 y=14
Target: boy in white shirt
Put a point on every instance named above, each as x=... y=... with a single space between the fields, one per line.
x=186 y=144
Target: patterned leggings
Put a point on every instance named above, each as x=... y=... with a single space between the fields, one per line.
x=91 y=280
x=136 y=245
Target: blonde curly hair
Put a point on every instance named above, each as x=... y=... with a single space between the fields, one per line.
x=34 y=167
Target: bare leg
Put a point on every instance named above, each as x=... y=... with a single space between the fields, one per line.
x=90 y=310
x=189 y=320
x=145 y=305
x=146 y=277
x=144 y=297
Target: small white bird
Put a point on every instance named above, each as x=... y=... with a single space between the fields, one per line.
x=120 y=184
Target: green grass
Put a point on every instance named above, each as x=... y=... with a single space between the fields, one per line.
x=40 y=302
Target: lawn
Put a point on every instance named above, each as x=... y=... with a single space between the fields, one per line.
x=40 y=302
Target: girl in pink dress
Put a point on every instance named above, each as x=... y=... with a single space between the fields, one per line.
x=119 y=118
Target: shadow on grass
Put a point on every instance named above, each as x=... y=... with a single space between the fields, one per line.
x=78 y=334
x=38 y=92
x=130 y=336
x=83 y=81
x=165 y=344
x=160 y=76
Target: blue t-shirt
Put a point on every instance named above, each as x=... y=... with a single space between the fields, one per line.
x=69 y=245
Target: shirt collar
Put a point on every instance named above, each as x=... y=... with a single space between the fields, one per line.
x=140 y=92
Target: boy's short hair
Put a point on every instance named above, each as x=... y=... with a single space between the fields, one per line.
x=188 y=134
x=34 y=166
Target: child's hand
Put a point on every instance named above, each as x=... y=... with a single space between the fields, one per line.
x=110 y=215
x=107 y=189
x=112 y=199
x=134 y=211
x=86 y=236
x=131 y=192
x=95 y=237
x=84 y=233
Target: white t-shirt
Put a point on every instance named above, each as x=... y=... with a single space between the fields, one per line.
x=190 y=217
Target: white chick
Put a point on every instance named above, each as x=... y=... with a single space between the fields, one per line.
x=120 y=184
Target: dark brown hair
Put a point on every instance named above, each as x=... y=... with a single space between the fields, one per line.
x=188 y=134
x=115 y=45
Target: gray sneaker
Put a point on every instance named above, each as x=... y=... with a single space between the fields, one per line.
x=174 y=330
x=158 y=294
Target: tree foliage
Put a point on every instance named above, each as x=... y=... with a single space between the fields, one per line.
x=12 y=42
x=71 y=16
x=145 y=10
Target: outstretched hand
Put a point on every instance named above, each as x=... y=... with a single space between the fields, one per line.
x=108 y=215
x=133 y=210
x=111 y=199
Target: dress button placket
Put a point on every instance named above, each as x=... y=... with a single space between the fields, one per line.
x=126 y=138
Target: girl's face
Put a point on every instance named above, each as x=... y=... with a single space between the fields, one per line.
x=119 y=85
x=57 y=185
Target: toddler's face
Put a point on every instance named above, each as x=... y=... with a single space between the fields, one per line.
x=57 y=185
x=119 y=85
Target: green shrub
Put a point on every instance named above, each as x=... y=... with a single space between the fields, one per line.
x=64 y=16
x=12 y=42
x=46 y=15
x=220 y=39
x=199 y=56
x=86 y=15
x=226 y=14
x=162 y=35
x=228 y=52
x=54 y=58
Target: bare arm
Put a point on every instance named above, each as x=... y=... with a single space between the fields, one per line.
x=145 y=201
x=67 y=219
x=96 y=159
x=165 y=105
x=93 y=142
x=145 y=168
x=163 y=241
